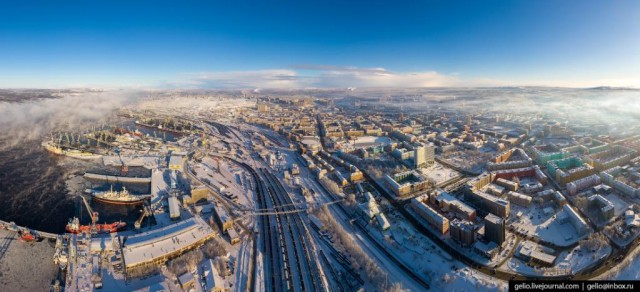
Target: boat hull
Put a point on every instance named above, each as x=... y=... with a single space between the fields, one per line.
x=117 y=202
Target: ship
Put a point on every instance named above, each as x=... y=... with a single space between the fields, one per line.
x=74 y=227
x=55 y=149
x=160 y=127
x=120 y=198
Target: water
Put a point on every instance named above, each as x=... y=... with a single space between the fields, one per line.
x=34 y=194
x=32 y=188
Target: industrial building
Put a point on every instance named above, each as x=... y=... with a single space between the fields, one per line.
x=197 y=193
x=530 y=252
x=494 y=229
x=222 y=218
x=156 y=246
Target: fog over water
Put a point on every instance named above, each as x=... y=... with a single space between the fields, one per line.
x=33 y=192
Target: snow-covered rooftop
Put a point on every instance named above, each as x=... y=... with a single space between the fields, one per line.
x=152 y=244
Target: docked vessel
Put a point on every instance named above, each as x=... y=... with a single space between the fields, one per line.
x=159 y=127
x=74 y=227
x=119 y=198
x=55 y=149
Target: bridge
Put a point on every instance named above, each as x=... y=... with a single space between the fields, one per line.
x=265 y=212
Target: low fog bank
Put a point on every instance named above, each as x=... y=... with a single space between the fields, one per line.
x=32 y=181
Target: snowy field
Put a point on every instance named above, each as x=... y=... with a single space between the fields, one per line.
x=369 y=141
x=545 y=227
x=439 y=174
x=423 y=255
x=628 y=269
x=25 y=266
x=567 y=263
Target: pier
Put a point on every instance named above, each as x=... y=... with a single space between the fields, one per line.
x=13 y=227
x=117 y=179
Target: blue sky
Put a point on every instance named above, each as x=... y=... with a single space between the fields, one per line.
x=311 y=44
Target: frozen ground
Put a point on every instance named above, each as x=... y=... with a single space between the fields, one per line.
x=25 y=266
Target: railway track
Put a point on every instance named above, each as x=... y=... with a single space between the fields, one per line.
x=304 y=271
x=289 y=260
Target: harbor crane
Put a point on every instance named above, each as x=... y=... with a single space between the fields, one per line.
x=92 y=214
x=125 y=167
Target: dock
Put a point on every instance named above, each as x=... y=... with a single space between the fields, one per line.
x=14 y=227
x=117 y=179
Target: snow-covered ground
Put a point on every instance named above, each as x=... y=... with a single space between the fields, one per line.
x=25 y=266
x=112 y=281
x=567 y=263
x=434 y=262
x=545 y=227
x=508 y=246
x=628 y=269
x=418 y=253
x=439 y=174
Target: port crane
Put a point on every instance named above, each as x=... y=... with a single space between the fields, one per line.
x=125 y=167
x=92 y=214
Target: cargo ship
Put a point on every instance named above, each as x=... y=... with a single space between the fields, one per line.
x=120 y=198
x=74 y=227
x=160 y=127
x=55 y=149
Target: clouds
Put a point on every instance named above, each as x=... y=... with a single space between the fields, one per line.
x=316 y=76
x=385 y=78
x=277 y=78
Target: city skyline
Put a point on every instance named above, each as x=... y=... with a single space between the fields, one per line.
x=331 y=45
